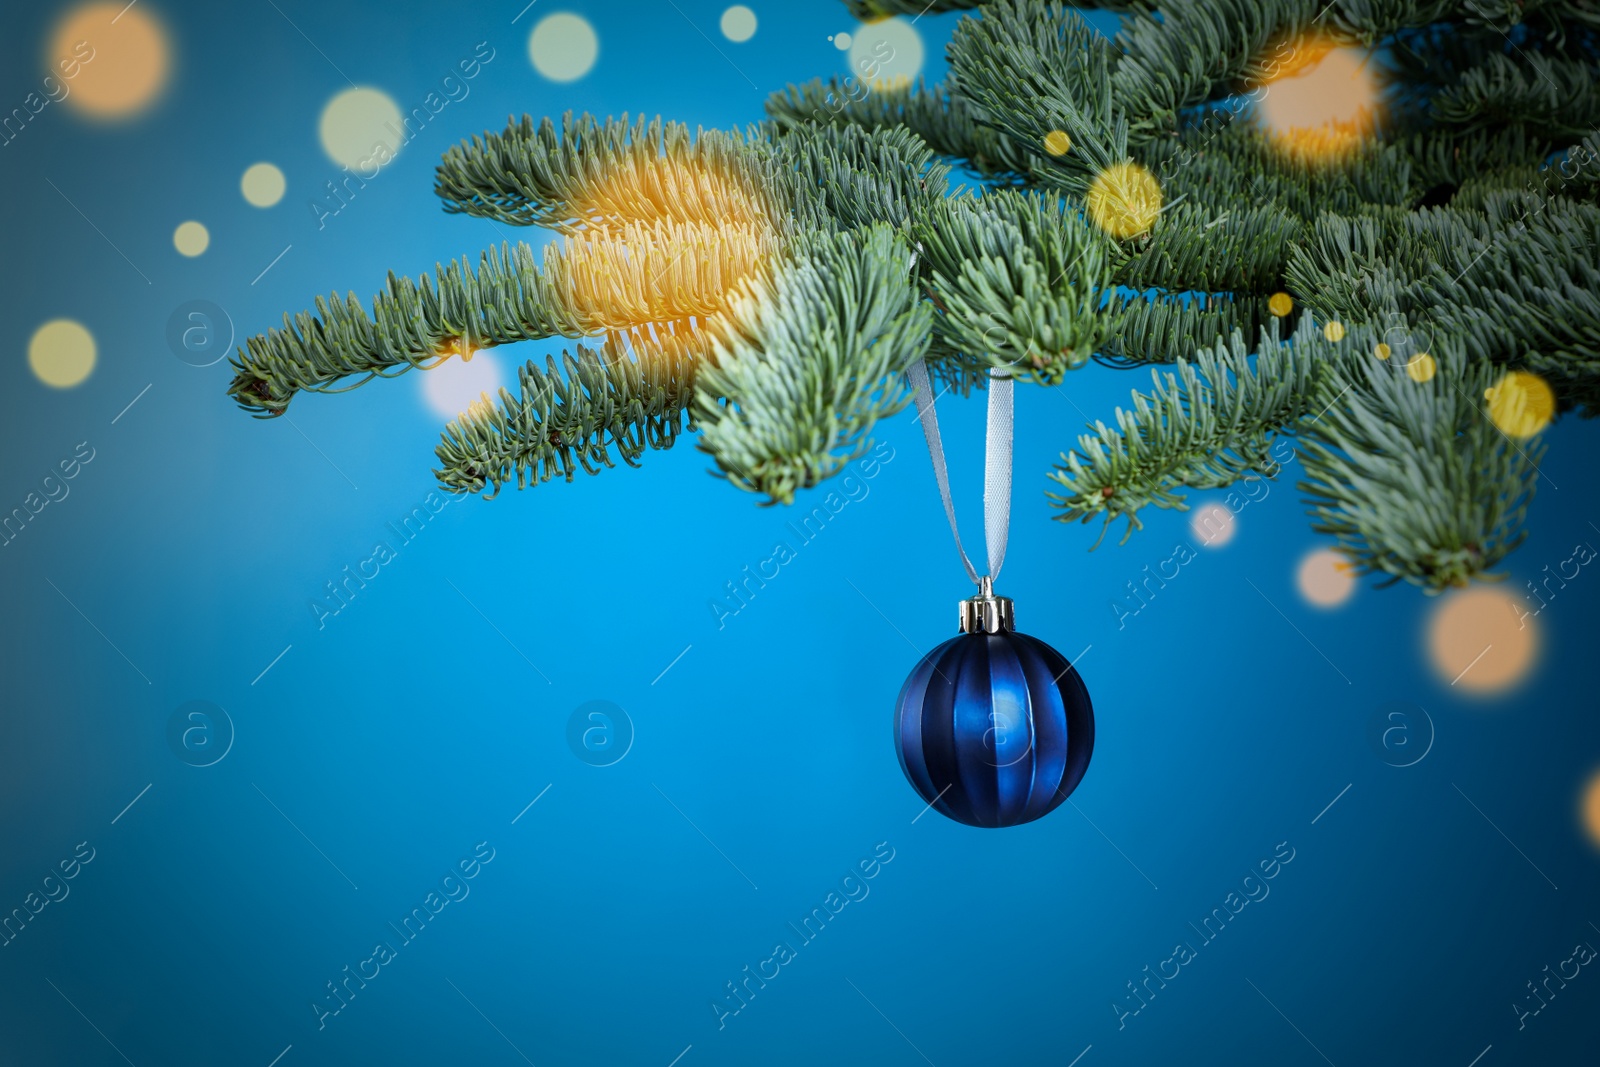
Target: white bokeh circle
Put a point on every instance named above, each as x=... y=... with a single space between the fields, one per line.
x=455 y=385
x=563 y=47
x=738 y=24
x=361 y=129
x=886 y=54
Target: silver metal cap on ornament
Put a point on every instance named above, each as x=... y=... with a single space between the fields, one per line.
x=987 y=613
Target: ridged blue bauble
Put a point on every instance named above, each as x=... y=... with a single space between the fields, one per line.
x=994 y=729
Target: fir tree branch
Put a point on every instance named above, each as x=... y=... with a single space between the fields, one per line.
x=1451 y=158
x=632 y=275
x=413 y=324
x=1223 y=150
x=1413 y=478
x=1533 y=299
x=1577 y=172
x=943 y=119
x=1160 y=327
x=1557 y=99
x=1206 y=423
x=1191 y=51
x=595 y=281
x=1196 y=246
x=860 y=177
x=571 y=416
x=761 y=284
x=1018 y=280
x=807 y=361
x=593 y=172
x=872 y=10
x=1516 y=283
x=1367 y=22
x=954 y=371
x=1033 y=67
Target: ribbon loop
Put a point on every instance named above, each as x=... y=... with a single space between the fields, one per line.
x=996 y=466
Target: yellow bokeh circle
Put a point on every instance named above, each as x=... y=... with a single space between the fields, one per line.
x=61 y=353
x=1422 y=367
x=1057 y=143
x=1521 y=404
x=191 y=238
x=457 y=386
x=1124 y=200
x=262 y=185
x=114 y=57
x=1280 y=304
x=1382 y=351
x=1334 y=331
x=1482 y=640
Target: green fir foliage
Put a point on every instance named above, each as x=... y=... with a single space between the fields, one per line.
x=808 y=362
x=767 y=288
x=1411 y=477
x=1206 y=423
x=568 y=417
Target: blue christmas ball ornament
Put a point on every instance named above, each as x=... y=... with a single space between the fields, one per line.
x=993 y=728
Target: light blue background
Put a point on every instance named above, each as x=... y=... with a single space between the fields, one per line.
x=427 y=715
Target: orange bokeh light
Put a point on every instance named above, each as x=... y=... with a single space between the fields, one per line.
x=1326 y=578
x=1589 y=805
x=1482 y=640
x=113 y=58
x=1319 y=99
